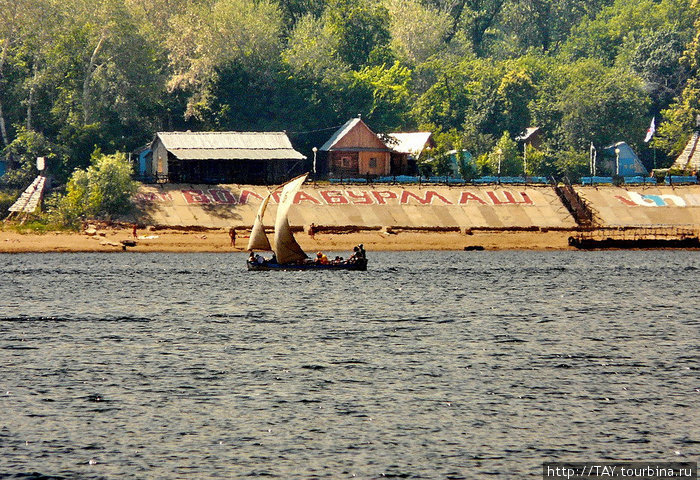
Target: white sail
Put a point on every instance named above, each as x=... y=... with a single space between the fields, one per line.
x=285 y=246
x=258 y=239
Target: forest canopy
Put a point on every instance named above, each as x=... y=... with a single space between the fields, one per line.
x=76 y=75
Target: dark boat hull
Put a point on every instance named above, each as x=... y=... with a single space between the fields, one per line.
x=642 y=243
x=359 y=265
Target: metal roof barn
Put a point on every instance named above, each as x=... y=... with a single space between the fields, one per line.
x=224 y=157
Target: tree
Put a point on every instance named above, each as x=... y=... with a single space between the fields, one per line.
x=605 y=35
x=504 y=158
x=656 y=58
x=362 y=30
x=543 y=24
x=83 y=75
x=206 y=39
x=293 y=10
x=571 y=164
x=388 y=94
x=538 y=162
x=587 y=102
x=313 y=50
x=680 y=116
x=515 y=91
x=417 y=31
x=474 y=17
x=464 y=95
x=23 y=152
x=24 y=34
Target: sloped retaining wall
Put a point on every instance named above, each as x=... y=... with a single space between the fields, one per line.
x=365 y=207
x=643 y=205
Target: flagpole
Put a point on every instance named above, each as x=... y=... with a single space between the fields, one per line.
x=650 y=135
x=595 y=157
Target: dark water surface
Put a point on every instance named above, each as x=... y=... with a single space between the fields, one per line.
x=430 y=365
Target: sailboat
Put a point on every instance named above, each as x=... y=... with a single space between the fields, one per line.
x=288 y=254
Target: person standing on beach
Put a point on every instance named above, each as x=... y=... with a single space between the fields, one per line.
x=232 y=234
x=312 y=230
x=133 y=231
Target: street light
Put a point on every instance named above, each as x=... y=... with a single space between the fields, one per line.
x=617 y=161
x=314 y=150
x=499 y=152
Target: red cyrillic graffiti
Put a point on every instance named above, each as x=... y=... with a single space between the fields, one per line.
x=467 y=197
x=334 y=197
x=363 y=198
x=154 y=197
x=345 y=197
x=246 y=194
x=195 y=196
x=509 y=199
x=223 y=196
x=428 y=199
x=305 y=197
x=383 y=196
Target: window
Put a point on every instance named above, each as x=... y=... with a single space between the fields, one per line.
x=373 y=162
x=345 y=162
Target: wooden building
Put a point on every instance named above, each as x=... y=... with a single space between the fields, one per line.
x=356 y=151
x=408 y=149
x=531 y=136
x=222 y=157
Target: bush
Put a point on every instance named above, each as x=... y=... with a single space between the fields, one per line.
x=7 y=198
x=102 y=191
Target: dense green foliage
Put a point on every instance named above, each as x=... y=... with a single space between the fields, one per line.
x=103 y=190
x=75 y=74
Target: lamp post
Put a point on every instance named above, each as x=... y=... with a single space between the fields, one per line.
x=314 y=150
x=499 y=152
x=617 y=162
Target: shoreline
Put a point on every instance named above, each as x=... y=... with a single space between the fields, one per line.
x=108 y=239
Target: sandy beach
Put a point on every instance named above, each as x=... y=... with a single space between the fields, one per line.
x=109 y=239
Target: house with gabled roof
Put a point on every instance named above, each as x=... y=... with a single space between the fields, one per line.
x=530 y=136
x=354 y=150
x=223 y=157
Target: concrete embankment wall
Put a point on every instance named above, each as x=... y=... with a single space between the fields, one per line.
x=643 y=205
x=418 y=207
x=366 y=206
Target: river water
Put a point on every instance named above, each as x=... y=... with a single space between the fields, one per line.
x=429 y=365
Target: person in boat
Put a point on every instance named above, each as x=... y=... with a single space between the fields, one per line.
x=259 y=259
x=361 y=247
x=357 y=253
x=251 y=257
x=273 y=258
x=321 y=258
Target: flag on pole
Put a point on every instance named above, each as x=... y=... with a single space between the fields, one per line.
x=650 y=132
